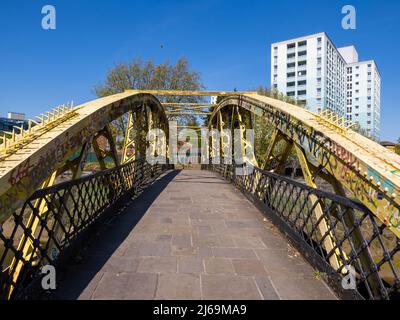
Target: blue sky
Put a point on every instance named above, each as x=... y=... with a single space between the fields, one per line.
x=227 y=41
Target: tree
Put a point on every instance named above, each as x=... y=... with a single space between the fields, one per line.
x=141 y=75
x=397 y=148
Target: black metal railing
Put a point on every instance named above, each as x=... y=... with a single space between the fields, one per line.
x=340 y=237
x=51 y=223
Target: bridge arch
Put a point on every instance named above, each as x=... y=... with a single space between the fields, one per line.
x=328 y=149
x=29 y=168
x=343 y=231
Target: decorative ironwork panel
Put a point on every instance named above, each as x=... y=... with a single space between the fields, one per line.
x=361 y=241
x=52 y=219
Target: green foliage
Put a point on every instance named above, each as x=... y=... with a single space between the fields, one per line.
x=397 y=148
x=141 y=75
x=146 y=75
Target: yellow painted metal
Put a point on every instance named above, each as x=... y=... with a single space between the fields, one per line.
x=15 y=140
x=25 y=244
x=188 y=104
x=189 y=93
x=245 y=143
x=349 y=219
x=281 y=156
x=369 y=171
x=188 y=113
x=221 y=125
x=172 y=109
x=329 y=243
x=333 y=121
x=129 y=141
x=150 y=125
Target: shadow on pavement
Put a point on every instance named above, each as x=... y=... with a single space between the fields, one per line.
x=73 y=279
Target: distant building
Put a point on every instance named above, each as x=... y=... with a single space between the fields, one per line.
x=13 y=119
x=363 y=92
x=312 y=70
x=15 y=115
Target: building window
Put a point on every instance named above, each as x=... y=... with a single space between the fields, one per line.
x=291 y=65
x=291 y=55
x=291 y=45
x=302 y=43
x=290 y=74
x=302 y=73
x=291 y=84
x=302 y=92
x=291 y=94
x=302 y=82
x=302 y=63
x=302 y=53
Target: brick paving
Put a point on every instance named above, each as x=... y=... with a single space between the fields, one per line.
x=191 y=235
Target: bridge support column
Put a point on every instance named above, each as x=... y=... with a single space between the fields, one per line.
x=366 y=262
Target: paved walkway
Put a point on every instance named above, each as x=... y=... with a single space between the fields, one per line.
x=191 y=235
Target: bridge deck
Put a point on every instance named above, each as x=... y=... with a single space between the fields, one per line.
x=191 y=235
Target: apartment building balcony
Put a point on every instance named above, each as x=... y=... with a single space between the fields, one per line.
x=302 y=47
x=302 y=67
x=302 y=77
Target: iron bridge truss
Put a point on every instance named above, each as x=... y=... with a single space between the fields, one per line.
x=43 y=220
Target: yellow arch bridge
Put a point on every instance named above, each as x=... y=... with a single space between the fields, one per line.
x=231 y=229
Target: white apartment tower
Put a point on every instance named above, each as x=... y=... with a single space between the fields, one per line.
x=312 y=70
x=363 y=92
